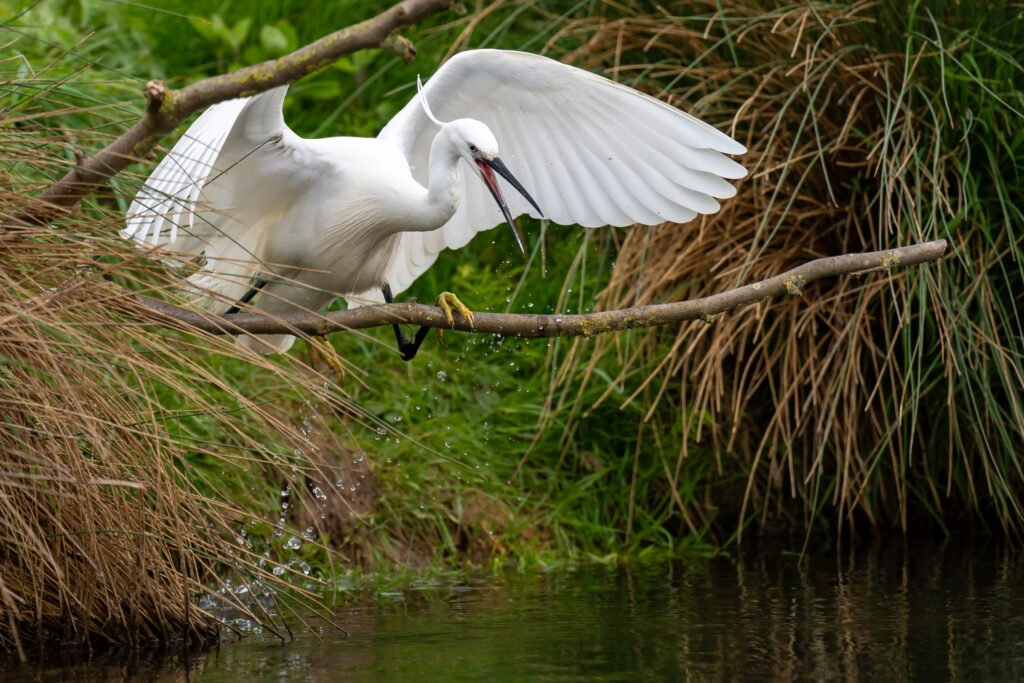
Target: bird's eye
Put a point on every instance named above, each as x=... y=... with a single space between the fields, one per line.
x=472 y=148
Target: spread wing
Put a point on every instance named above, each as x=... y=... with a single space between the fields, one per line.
x=590 y=151
x=168 y=199
x=215 y=193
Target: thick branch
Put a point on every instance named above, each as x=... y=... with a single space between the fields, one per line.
x=791 y=282
x=166 y=108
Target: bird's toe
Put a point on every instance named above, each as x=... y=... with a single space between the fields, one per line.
x=448 y=301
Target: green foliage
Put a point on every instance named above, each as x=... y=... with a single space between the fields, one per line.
x=482 y=448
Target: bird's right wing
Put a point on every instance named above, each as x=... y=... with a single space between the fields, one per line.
x=590 y=151
x=168 y=199
x=220 y=187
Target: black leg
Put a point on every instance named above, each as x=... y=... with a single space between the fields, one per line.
x=247 y=297
x=407 y=348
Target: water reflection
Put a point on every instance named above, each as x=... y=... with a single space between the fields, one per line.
x=885 y=614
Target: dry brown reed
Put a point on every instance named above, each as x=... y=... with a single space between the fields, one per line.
x=110 y=527
x=848 y=400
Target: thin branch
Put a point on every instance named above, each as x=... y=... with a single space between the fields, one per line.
x=790 y=283
x=167 y=108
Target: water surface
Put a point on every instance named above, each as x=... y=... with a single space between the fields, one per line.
x=887 y=614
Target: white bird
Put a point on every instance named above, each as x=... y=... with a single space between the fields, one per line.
x=309 y=220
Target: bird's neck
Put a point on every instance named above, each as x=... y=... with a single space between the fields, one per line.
x=443 y=182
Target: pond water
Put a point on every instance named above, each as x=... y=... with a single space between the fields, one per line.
x=885 y=613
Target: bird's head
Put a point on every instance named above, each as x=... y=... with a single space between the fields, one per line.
x=473 y=139
x=474 y=142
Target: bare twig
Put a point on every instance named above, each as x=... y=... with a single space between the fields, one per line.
x=167 y=108
x=791 y=282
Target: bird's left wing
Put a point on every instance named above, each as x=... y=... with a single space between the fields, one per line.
x=590 y=151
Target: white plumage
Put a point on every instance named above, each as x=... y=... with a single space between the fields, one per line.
x=345 y=216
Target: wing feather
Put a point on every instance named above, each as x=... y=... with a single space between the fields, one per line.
x=166 y=201
x=591 y=207
x=679 y=202
x=582 y=198
x=668 y=155
x=647 y=184
x=587 y=208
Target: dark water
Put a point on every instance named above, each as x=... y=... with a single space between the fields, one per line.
x=885 y=614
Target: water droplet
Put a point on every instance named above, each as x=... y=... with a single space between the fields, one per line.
x=293 y=543
x=278 y=570
x=442 y=375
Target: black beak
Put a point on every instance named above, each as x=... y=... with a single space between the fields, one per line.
x=486 y=166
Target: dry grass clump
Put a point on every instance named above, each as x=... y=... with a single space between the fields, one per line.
x=111 y=523
x=873 y=398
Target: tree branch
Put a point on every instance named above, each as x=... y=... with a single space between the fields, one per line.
x=790 y=283
x=167 y=108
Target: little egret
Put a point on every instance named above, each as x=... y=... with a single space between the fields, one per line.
x=289 y=224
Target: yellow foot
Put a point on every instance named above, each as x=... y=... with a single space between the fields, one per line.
x=320 y=347
x=447 y=301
